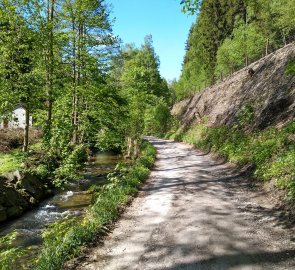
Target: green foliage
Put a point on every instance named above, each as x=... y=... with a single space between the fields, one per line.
x=245 y=45
x=11 y=161
x=175 y=132
x=157 y=119
x=9 y=254
x=109 y=140
x=230 y=34
x=190 y=6
x=70 y=165
x=290 y=68
x=65 y=238
x=246 y=115
x=136 y=74
x=271 y=151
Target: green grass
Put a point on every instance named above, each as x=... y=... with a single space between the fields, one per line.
x=271 y=151
x=11 y=161
x=64 y=239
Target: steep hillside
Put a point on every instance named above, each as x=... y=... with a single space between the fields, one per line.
x=263 y=92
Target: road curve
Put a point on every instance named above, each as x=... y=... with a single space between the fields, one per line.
x=195 y=213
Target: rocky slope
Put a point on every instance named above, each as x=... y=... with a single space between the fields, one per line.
x=263 y=92
x=20 y=192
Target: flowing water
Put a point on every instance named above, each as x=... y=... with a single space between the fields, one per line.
x=73 y=200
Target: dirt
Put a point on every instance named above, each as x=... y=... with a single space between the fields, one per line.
x=267 y=97
x=196 y=213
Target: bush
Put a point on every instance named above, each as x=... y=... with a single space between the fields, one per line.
x=70 y=165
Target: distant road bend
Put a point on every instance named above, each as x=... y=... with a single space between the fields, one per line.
x=195 y=213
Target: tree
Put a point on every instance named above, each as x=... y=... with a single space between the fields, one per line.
x=19 y=55
x=190 y=6
x=89 y=42
x=245 y=45
x=142 y=84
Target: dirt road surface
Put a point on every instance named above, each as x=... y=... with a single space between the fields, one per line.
x=195 y=213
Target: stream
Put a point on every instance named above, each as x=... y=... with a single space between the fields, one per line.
x=73 y=200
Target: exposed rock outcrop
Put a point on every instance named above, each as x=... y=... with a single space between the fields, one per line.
x=263 y=88
x=20 y=192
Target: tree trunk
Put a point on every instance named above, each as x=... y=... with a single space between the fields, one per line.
x=50 y=69
x=246 y=60
x=135 y=148
x=284 y=38
x=129 y=147
x=74 y=68
x=26 y=131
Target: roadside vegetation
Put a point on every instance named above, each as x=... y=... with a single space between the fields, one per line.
x=271 y=152
x=64 y=240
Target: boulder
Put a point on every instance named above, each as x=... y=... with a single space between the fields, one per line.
x=19 y=192
x=12 y=198
x=31 y=185
x=13 y=177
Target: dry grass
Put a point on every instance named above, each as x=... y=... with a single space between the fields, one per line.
x=13 y=138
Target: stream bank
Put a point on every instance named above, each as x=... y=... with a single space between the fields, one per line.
x=72 y=201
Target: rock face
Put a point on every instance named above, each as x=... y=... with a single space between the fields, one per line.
x=262 y=91
x=18 y=193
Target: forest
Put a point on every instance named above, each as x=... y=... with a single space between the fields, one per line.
x=229 y=35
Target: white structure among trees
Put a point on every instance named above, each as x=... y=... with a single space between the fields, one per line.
x=17 y=119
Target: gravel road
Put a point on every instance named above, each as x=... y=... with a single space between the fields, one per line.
x=195 y=213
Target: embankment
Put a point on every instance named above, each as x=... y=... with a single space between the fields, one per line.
x=264 y=87
x=248 y=118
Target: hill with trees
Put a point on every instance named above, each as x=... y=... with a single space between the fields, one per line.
x=229 y=35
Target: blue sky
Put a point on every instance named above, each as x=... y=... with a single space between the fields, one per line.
x=162 y=19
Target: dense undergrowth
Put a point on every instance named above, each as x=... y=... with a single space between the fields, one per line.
x=270 y=151
x=64 y=239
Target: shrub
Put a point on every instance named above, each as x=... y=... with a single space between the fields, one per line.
x=70 y=165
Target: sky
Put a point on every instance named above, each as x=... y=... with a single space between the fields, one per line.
x=163 y=19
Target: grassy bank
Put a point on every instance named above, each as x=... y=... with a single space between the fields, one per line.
x=10 y=161
x=65 y=239
x=270 y=151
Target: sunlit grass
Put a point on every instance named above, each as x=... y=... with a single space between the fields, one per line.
x=10 y=161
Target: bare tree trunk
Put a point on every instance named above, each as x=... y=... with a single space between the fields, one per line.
x=129 y=147
x=74 y=68
x=50 y=69
x=284 y=38
x=26 y=131
x=135 y=148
